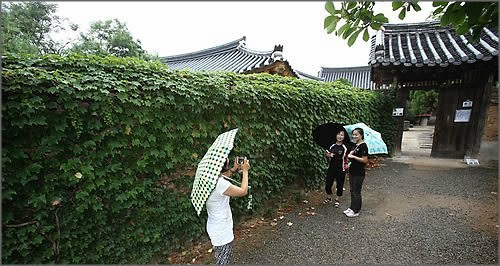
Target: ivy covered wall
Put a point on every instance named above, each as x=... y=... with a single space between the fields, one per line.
x=99 y=154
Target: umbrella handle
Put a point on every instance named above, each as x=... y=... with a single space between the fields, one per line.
x=250 y=202
x=234 y=181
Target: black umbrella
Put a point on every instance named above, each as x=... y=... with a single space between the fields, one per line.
x=325 y=135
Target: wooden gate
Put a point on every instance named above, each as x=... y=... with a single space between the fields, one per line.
x=427 y=56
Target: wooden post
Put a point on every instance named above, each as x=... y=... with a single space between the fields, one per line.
x=482 y=106
x=400 y=102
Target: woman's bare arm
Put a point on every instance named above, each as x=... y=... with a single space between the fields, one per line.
x=242 y=190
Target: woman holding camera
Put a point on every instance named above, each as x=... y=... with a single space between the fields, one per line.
x=220 y=218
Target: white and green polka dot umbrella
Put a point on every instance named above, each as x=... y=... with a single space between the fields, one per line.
x=209 y=168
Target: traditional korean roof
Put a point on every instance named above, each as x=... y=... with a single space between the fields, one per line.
x=429 y=44
x=359 y=76
x=234 y=57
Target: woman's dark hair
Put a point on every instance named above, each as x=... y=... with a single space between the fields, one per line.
x=360 y=131
x=226 y=166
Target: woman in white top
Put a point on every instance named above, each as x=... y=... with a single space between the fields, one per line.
x=220 y=218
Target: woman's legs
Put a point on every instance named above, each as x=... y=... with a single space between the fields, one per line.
x=329 y=183
x=224 y=253
x=356 y=183
x=339 y=180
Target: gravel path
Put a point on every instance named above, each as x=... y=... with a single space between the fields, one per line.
x=410 y=215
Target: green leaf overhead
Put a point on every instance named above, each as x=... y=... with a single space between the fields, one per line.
x=459 y=15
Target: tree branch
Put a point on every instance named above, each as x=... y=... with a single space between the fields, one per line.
x=22 y=224
x=55 y=243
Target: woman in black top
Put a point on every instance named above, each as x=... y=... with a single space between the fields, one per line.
x=358 y=159
x=337 y=154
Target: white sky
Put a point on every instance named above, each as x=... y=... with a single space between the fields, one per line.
x=171 y=28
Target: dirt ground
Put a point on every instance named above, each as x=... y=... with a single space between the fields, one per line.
x=252 y=233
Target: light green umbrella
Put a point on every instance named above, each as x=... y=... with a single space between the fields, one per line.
x=209 y=168
x=372 y=138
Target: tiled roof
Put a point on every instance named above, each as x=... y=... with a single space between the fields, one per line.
x=358 y=76
x=233 y=56
x=428 y=44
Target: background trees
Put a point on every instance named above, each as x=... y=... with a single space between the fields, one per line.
x=29 y=27
x=110 y=37
x=422 y=102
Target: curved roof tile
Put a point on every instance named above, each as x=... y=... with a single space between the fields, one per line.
x=303 y=75
x=428 y=44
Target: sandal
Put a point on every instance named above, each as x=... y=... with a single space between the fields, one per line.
x=337 y=203
x=327 y=200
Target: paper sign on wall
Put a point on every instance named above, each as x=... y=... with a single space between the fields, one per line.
x=462 y=115
x=467 y=103
x=397 y=112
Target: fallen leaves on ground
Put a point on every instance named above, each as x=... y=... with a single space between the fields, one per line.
x=374 y=162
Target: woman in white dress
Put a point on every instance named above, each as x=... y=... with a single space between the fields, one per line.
x=220 y=218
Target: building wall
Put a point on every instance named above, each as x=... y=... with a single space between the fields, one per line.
x=490 y=132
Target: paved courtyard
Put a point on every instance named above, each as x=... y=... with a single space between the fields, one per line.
x=416 y=210
x=417 y=146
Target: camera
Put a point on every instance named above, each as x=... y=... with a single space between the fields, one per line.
x=240 y=160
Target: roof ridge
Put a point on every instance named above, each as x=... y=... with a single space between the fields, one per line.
x=246 y=49
x=346 y=68
x=208 y=51
x=413 y=23
x=414 y=27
